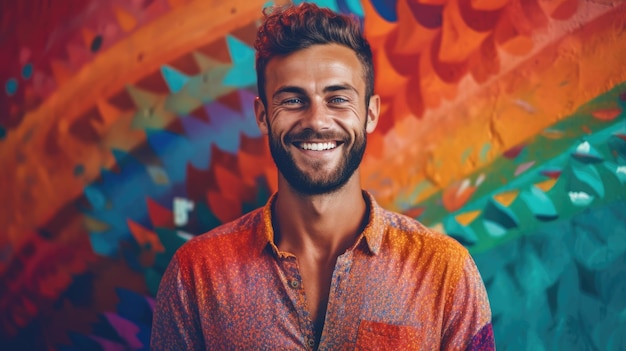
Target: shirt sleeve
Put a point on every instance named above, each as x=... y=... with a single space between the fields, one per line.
x=176 y=323
x=468 y=322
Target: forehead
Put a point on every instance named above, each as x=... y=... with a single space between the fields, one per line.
x=314 y=68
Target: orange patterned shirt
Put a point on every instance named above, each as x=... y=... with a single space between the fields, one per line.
x=400 y=287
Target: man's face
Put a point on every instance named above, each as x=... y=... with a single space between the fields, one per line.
x=316 y=118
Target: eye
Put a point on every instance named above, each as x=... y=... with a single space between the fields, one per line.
x=293 y=101
x=337 y=100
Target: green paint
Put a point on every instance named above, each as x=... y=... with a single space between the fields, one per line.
x=597 y=179
x=484 y=152
x=466 y=155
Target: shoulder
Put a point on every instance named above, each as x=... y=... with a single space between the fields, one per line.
x=413 y=235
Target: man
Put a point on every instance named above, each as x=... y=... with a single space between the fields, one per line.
x=321 y=266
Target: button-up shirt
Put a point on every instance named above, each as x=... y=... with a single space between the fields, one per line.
x=401 y=286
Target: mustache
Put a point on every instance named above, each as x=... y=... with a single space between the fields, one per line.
x=309 y=134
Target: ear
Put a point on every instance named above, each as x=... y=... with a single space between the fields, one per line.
x=373 y=111
x=261 y=115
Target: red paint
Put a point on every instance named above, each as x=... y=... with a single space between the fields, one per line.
x=553 y=174
x=453 y=199
x=607 y=114
x=514 y=151
x=415 y=212
x=160 y=216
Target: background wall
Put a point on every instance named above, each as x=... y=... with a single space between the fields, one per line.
x=126 y=127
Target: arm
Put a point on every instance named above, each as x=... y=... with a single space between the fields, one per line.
x=176 y=323
x=467 y=325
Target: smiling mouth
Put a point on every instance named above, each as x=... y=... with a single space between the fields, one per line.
x=321 y=146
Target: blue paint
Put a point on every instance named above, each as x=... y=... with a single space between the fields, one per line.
x=494 y=229
x=501 y=215
x=96 y=43
x=104 y=245
x=243 y=73
x=464 y=234
x=11 y=86
x=95 y=197
x=126 y=190
x=331 y=4
x=174 y=152
x=351 y=6
x=175 y=79
x=386 y=9
x=136 y=308
x=617 y=145
x=3 y=132
x=27 y=71
x=586 y=177
x=586 y=153
x=618 y=170
x=539 y=204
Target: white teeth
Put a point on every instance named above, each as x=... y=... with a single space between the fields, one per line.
x=318 y=146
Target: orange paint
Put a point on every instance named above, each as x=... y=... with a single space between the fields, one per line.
x=546 y=185
x=126 y=20
x=467 y=218
x=456 y=195
x=145 y=237
x=506 y=198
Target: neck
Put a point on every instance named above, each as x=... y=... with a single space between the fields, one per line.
x=326 y=224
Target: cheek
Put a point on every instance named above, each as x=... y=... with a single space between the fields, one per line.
x=357 y=120
x=277 y=131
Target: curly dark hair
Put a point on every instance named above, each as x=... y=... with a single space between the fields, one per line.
x=292 y=28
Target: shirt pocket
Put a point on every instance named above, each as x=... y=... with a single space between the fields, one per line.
x=380 y=336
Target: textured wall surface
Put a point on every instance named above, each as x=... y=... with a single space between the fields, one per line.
x=127 y=127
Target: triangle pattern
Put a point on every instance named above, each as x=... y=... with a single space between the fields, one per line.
x=159 y=215
x=204 y=62
x=61 y=71
x=242 y=55
x=175 y=79
x=506 y=198
x=145 y=237
x=125 y=19
x=232 y=101
x=142 y=98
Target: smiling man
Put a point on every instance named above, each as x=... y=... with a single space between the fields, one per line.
x=321 y=266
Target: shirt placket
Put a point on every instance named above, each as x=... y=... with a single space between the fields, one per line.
x=336 y=309
x=293 y=285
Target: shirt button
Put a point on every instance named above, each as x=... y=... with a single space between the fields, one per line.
x=294 y=284
x=311 y=342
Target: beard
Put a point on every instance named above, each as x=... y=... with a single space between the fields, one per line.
x=316 y=183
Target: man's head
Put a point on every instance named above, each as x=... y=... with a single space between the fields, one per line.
x=315 y=102
x=289 y=29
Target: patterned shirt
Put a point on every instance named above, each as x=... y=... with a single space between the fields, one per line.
x=400 y=287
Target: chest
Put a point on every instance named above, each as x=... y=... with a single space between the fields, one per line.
x=270 y=307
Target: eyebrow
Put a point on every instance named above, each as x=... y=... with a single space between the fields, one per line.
x=300 y=91
x=289 y=89
x=339 y=87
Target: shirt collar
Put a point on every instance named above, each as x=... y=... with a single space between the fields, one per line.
x=373 y=231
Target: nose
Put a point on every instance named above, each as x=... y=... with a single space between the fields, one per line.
x=317 y=116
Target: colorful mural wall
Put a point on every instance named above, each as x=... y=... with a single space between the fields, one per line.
x=126 y=128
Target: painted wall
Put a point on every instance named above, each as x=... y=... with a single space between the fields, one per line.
x=126 y=127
